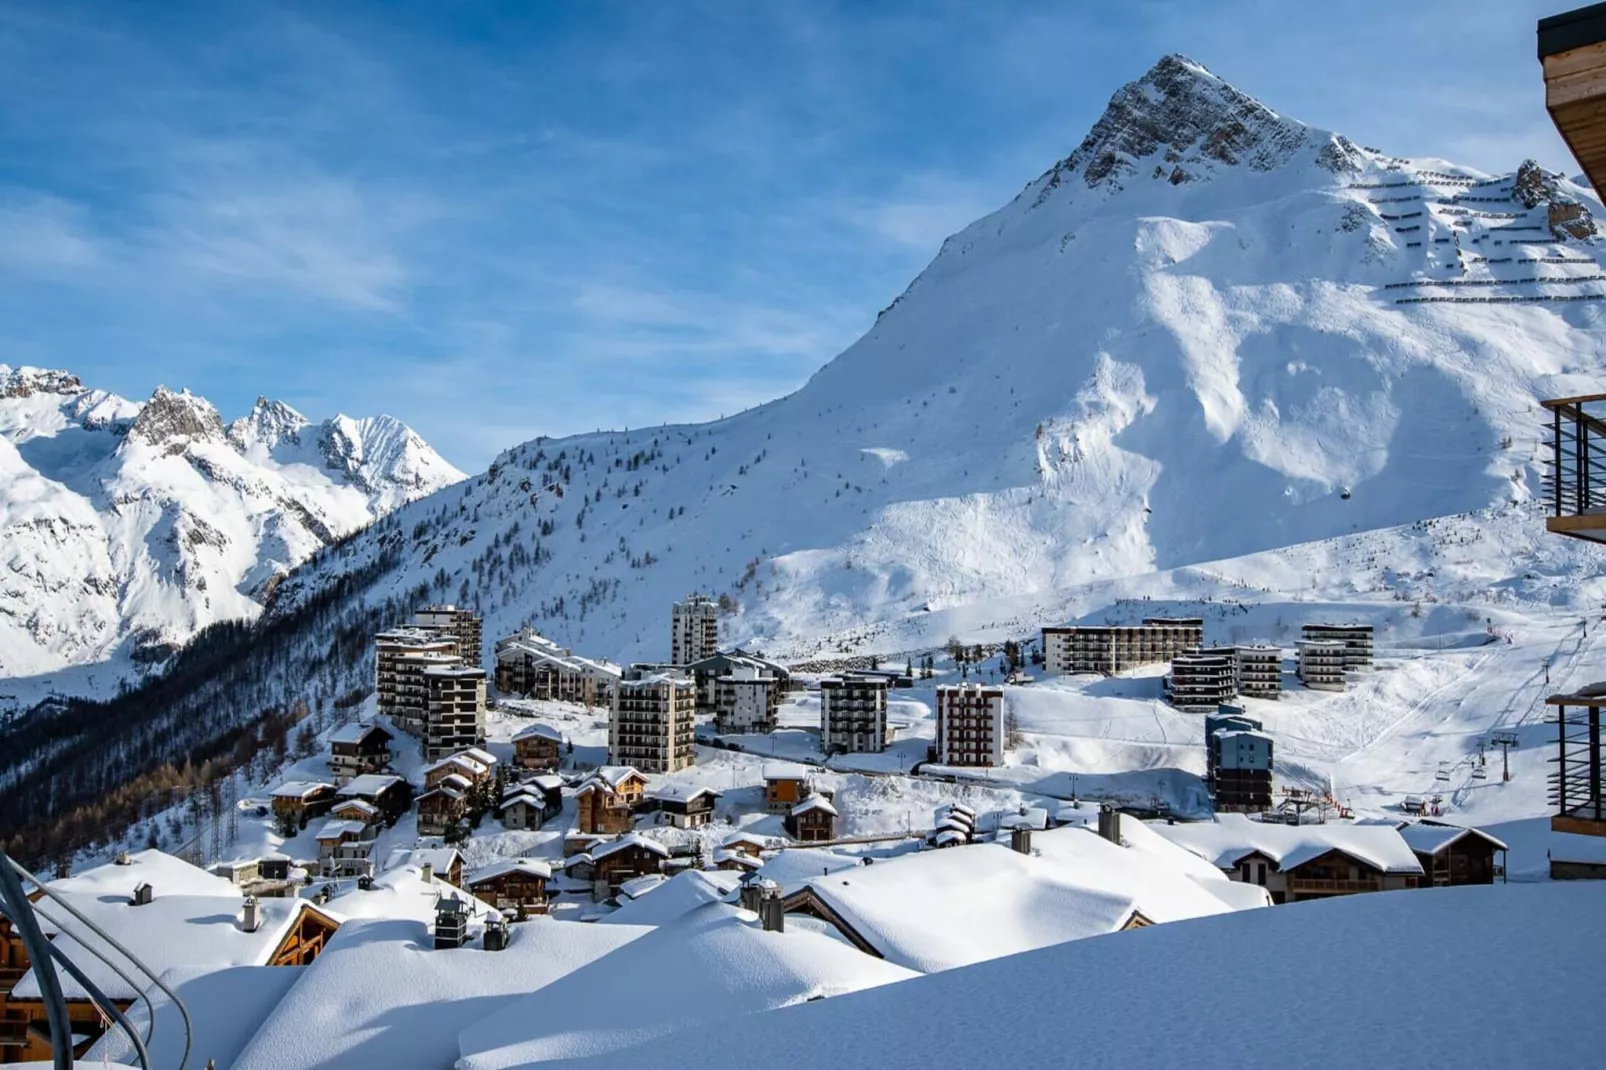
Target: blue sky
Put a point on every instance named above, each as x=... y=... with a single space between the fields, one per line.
x=502 y=220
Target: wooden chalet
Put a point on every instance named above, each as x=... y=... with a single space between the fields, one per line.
x=471 y=770
x=1452 y=854
x=160 y=928
x=532 y=803
x=360 y=810
x=607 y=800
x=346 y=848
x=814 y=820
x=785 y=785
x=392 y=795
x=517 y=887
x=625 y=859
x=355 y=749
x=539 y=746
x=296 y=802
x=443 y=862
x=442 y=807
x=684 y=806
x=744 y=843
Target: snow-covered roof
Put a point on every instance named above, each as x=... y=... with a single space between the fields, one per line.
x=744 y=837
x=361 y=806
x=935 y=910
x=400 y=892
x=464 y=763
x=300 y=789
x=632 y=839
x=544 y=781
x=335 y=828
x=455 y=780
x=815 y=802
x=368 y=785
x=785 y=771
x=1231 y=837
x=539 y=731
x=502 y=869
x=640 y=886
x=481 y=755
x=1374 y=951
x=381 y=996
x=712 y=965
x=539 y=648
x=947 y=836
x=521 y=797
x=795 y=866
x=1034 y=817
x=740 y=858
x=195 y=922
x=672 y=898
x=442 y=859
x=681 y=793
x=449 y=788
x=355 y=733
x=1429 y=838
x=610 y=777
x=226 y=1006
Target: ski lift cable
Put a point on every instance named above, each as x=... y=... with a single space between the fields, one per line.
x=20 y=911
x=184 y=1012
x=150 y=1008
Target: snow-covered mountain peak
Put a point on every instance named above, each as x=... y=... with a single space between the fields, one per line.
x=268 y=424
x=1180 y=123
x=25 y=382
x=379 y=451
x=172 y=415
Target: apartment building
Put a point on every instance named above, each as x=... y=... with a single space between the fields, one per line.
x=461 y=624
x=1202 y=680
x=693 y=630
x=531 y=665
x=1260 y=671
x=970 y=725
x=1109 y=649
x=651 y=727
x=1238 y=762
x=747 y=699
x=853 y=714
x=1321 y=663
x=398 y=687
x=1357 y=640
x=454 y=712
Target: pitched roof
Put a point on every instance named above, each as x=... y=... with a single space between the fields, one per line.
x=744 y=837
x=610 y=777
x=1430 y=839
x=335 y=828
x=368 y=785
x=934 y=910
x=381 y=996
x=503 y=868
x=785 y=771
x=356 y=732
x=815 y=802
x=631 y=839
x=300 y=789
x=1231 y=837
x=713 y=964
x=683 y=793
x=539 y=731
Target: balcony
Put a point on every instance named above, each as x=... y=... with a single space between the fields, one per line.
x=1575 y=484
x=1322 y=886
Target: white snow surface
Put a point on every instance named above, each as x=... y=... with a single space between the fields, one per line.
x=127 y=527
x=679 y=895
x=1232 y=836
x=380 y=995
x=226 y=1006
x=1418 y=971
x=937 y=910
x=708 y=967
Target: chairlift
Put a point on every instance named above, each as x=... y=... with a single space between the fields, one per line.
x=1480 y=773
x=1443 y=775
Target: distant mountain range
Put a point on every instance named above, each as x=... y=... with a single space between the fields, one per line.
x=125 y=527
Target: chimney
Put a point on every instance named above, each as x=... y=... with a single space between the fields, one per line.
x=1020 y=841
x=770 y=913
x=426 y=872
x=1110 y=825
x=143 y=893
x=451 y=923
x=251 y=920
x=123 y=859
x=495 y=934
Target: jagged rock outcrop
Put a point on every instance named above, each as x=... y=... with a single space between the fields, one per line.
x=1567 y=217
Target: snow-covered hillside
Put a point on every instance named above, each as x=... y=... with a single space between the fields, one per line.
x=126 y=527
x=1210 y=331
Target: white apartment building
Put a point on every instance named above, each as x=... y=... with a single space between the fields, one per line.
x=693 y=630
x=745 y=700
x=652 y=723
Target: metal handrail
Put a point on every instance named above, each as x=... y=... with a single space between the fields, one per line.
x=20 y=911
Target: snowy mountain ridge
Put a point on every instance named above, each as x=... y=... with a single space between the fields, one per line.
x=1211 y=331
x=128 y=526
